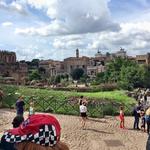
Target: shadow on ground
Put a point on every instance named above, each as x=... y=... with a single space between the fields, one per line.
x=98 y=131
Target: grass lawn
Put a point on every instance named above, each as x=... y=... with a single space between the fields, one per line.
x=12 y=92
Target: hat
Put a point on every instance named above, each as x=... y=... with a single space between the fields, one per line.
x=39 y=128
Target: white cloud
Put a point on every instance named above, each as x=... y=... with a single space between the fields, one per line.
x=69 y=42
x=135 y=26
x=16 y=6
x=133 y=36
x=6 y=24
x=72 y=17
x=65 y=25
x=54 y=28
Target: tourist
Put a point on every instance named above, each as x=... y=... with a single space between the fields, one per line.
x=81 y=100
x=31 y=108
x=20 y=106
x=39 y=131
x=136 y=114
x=17 y=121
x=147 y=118
x=83 y=111
x=148 y=143
x=121 y=116
x=142 y=114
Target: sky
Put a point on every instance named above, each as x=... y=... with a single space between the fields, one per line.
x=54 y=29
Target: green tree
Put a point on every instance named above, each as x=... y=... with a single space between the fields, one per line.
x=114 y=68
x=42 y=70
x=34 y=75
x=57 y=79
x=132 y=77
x=147 y=76
x=100 y=78
x=77 y=73
x=35 y=62
x=66 y=77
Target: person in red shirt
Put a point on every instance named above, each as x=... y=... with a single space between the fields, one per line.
x=121 y=116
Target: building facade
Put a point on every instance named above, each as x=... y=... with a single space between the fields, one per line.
x=121 y=53
x=52 y=68
x=7 y=57
x=143 y=59
x=11 y=69
x=97 y=64
x=72 y=63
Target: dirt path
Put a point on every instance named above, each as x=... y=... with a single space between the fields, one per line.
x=100 y=134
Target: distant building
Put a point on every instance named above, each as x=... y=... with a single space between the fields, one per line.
x=11 y=69
x=143 y=59
x=72 y=63
x=17 y=72
x=7 y=57
x=121 y=53
x=52 y=67
x=96 y=64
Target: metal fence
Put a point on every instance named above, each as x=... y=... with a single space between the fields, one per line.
x=95 y=109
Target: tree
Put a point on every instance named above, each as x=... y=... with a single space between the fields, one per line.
x=35 y=62
x=57 y=79
x=147 y=76
x=114 y=68
x=100 y=78
x=77 y=73
x=67 y=77
x=132 y=77
x=34 y=75
x=42 y=70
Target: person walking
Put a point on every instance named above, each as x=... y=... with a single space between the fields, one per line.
x=20 y=106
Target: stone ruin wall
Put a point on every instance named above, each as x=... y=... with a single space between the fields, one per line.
x=7 y=57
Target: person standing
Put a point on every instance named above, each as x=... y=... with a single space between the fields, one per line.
x=20 y=106
x=142 y=114
x=147 y=118
x=82 y=99
x=83 y=111
x=136 y=114
x=31 y=108
x=121 y=117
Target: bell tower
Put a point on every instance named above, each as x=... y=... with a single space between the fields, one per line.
x=77 y=53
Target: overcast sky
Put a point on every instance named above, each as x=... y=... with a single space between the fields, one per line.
x=53 y=29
